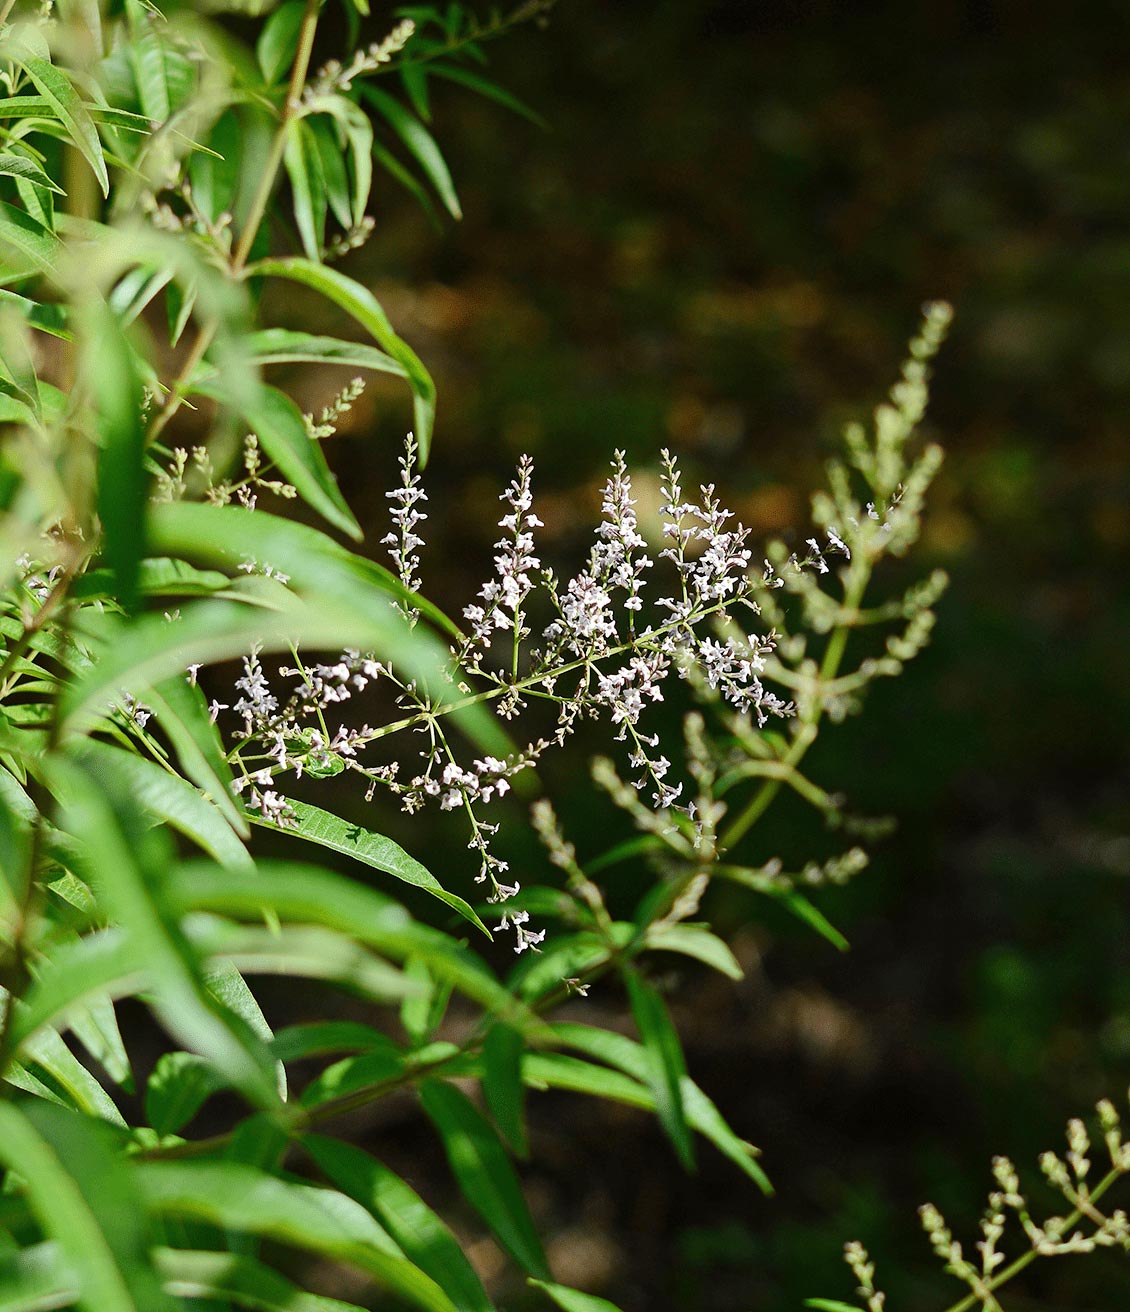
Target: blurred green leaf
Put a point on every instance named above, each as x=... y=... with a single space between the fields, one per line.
x=278 y=40
x=283 y=435
x=81 y=1196
x=572 y=1300
x=242 y=1280
x=322 y=1221
x=502 y=1084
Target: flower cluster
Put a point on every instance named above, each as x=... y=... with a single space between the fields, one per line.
x=610 y=638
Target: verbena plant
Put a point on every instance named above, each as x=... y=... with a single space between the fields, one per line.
x=155 y=176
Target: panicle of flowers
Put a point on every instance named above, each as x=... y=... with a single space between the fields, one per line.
x=404 y=541
x=342 y=403
x=1084 y=1228
x=335 y=76
x=514 y=563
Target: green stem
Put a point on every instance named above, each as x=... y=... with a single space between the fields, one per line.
x=806 y=734
x=1026 y=1259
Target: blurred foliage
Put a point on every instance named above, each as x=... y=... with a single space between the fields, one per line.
x=720 y=243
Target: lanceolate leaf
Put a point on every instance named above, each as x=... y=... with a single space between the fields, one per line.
x=282 y=433
x=81 y=1196
x=702 y=1115
x=322 y=1221
x=484 y=1173
x=67 y=105
x=19 y=166
x=235 y=1279
x=363 y=306
x=404 y=1214
x=573 y=1300
x=308 y=186
x=36 y=247
x=313 y=896
x=666 y=1068
x=318 y=826
x=282 y=346
x=420 y=144
x=169 y=798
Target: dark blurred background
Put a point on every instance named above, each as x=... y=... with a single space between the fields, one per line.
x=720 y=243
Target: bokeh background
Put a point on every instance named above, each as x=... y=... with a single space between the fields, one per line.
x=720 y=243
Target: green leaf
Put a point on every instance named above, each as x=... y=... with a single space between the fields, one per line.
x=325 y=1036
x=322 y=1221
x=382 y=1066
x=232 y=1278
x=701 y=1113
x=37 y=1278
x=310 y=895
x=302 y=951
x=372 y=849
x=81 y=1196
x=48 y=318
x=420 y=144
x=96 y=1027
x=279 y=40
x=332 y=164
x=168 y=798
x=485 y=87
x=182 y=713
x=127 y=865
x=363 y=306
x=51 y=1059
x=229 y=988
x=57 y=91
x=694 y=941
x=147 y=59
x=308 y=186
x=803 y=909
x=180 y=1085
x=484 y=1173
x=122 y=491
x=20 y=166
x=502 y=1084
x=282 y=346
x=830 y=1305
x=282 y=433
x=572 y=1300
x=404 y=1214
x=37 y=246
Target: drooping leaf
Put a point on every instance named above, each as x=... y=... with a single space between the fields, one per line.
x=419 y=142
x=484 y=1173
x=694 y=941
x=363 y=306
x=502 y=1084
x=20 y=166
x=122 y=480
x=309 y=895
x=36 y=246
x=404 y=1214
x=81 y=1196
x=628 y=1056
x=56 y=89
x=323 y=1221
x=573 y=1300
x=491 y=90
x=237 y=1279
x=308 y=186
